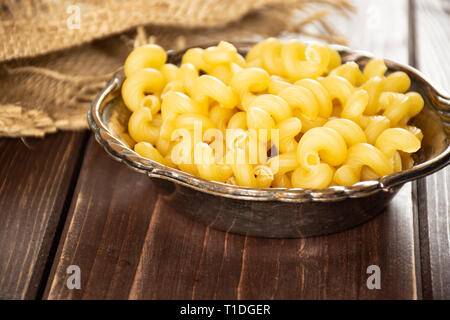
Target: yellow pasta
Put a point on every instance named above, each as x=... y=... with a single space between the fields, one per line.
x=220 y=116
x=400 y=108
x=374 y=68
x=207 y=86
x=349 y=71
x=187 y=74
x=282 y=181
x=194 y=56
x=277 y=107
x=374 y=88
x=394 y=139
x=350 y=131
x=315 y=63
x=178 y=103
x=288 y=130
x=264 y=176
x=318 y=176
x=147 y=56
x=222 y=72
x=174 y=104
x=292 y=59
x=248 y=82
x=207 y=166
x=320 y=93
x=277 y=84
x=164 y=146
x=140 y=126
x=169 y=71
x=138 y=84
x=224 y=52
x=238 y=121
x=355 y=105
x=397 y=82
x=287 y=115
x=321 y=144
x=176 y=86
x=338 y=88
x=258 y=118
x=359 y=155
x=242 y=170
x=283 y=163
x=375 y=126
x=146 y=150
x=301 y=98
x=308 y=124
x=188 y=121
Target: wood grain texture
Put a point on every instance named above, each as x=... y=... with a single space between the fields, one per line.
x=35 y=180
x=128 y=243
x=106 y=226
x=432 y=26
x=380 y=27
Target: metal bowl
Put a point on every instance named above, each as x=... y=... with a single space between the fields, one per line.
x=278 y=212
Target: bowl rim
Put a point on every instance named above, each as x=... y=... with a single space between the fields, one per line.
x=389 y=183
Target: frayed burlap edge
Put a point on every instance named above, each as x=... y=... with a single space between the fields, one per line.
x=32 y=27
x=49 y=93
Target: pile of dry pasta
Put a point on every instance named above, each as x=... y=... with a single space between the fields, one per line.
x=287 y=115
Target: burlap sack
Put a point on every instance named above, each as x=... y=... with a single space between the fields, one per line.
x=52 y=69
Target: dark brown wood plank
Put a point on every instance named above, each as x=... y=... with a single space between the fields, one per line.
x=432 y=27
x=106 y=227
x=129 y=243
x=35 y=180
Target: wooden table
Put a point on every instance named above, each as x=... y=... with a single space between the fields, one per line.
x=64 y=202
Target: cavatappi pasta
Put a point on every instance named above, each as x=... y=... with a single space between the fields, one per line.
x=287 y=115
